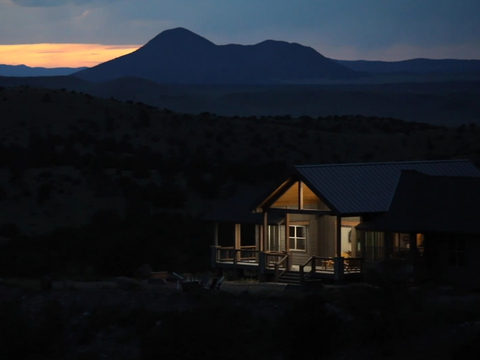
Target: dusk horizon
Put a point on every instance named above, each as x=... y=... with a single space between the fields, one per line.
x=56 y=55
x=62 y=33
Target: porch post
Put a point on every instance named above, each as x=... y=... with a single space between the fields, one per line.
x=263 y=243
x=338 y=261
x=338 y=239
x=238 y=242
x=287 y=240
x=287 y=232
x=215 y=246
x=215 y=235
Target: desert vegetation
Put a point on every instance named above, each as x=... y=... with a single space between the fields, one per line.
x=98 y=187
x=383 y=320
x=92 y=188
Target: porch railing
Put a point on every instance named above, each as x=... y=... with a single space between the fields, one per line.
x=246 y=254
x=277 y=261
x=327 y=264
x=353 y=265
x=313 y=262
x=281 y=263
x=272 y=258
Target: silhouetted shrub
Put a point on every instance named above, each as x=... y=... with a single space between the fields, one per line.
x=47 y=98
x=9 y=230
x=323 y=330
x=17 y=173
x=43 y=192
x=232 y=330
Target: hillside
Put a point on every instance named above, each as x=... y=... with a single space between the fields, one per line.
x=178 y=56
x=91 y=170
x=66 y=133
x=414 y=66
x=448 y=103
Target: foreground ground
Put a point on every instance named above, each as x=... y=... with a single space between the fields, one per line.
x=117 y=320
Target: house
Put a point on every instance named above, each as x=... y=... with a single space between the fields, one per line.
x=444 y=213
x=331 y=221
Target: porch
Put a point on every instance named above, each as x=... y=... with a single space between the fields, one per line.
x=277 y=264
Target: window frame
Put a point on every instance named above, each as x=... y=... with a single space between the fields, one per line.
x=295 y=238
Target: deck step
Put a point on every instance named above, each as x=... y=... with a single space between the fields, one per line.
x=293 y=278
x=290 y=277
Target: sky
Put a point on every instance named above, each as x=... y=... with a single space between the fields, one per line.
x=74 y=33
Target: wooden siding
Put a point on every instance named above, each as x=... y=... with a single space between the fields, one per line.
x=300 y=257
x=326 y=235
x=320 y=237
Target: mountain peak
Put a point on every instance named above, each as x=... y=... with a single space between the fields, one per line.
x=177 y=36
x=179 y=56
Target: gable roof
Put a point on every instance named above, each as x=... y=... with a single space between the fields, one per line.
x=239 y=208
x=424 y=203
x=369 y=187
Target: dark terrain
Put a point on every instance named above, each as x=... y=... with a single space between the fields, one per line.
x=92 y=170
x=158 y=322
x=92 y=188
x=97 y=179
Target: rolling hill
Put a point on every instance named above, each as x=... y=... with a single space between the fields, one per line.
x=23 y=70
x=414 y=66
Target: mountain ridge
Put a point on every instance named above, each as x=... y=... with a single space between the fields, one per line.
x=24 y=70
x=414 y=66
x=179 y=56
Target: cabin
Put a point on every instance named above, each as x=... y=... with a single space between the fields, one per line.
x=335 y=221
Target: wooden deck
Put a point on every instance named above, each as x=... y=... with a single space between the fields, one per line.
x=278 y=263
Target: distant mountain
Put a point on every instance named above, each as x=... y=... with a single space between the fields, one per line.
x=179 y=56
x=22 y=70
x=414 y=66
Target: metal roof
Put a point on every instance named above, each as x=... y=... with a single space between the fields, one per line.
x=369 y=187
x=239 y=208
x=422 y=204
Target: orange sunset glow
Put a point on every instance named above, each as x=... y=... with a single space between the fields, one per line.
x=61 y=55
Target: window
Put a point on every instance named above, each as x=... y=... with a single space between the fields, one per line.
x=298 y=237
x=401 y=246
x=457 y=252
x=374 y=248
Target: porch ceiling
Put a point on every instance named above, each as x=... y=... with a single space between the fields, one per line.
x=290 y=197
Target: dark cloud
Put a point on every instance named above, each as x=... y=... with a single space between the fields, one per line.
x=366 y=27
x=52 y=3
x=40 y=3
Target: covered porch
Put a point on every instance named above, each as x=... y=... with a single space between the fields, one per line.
x=274 y=265
x=291 y=230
